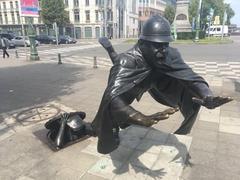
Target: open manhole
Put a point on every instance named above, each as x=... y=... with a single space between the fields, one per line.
x=37 y=114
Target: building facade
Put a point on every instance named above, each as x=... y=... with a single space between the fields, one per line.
x=148 y=8
x=10 y=19
x=87 y=17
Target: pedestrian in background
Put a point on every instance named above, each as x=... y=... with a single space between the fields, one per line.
x=4 y=44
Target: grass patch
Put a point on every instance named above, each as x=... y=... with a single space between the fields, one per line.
x=211 y=40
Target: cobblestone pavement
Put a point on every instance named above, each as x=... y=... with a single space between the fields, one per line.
x=145 y=153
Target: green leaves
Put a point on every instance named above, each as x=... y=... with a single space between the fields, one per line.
x=218 y=6
x=169 y=13
x=54 y=11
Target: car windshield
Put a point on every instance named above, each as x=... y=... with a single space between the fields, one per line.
x=26 y=37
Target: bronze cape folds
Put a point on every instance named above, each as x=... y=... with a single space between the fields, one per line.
x=171 y=84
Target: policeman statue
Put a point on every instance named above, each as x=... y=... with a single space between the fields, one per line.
x=152 y=66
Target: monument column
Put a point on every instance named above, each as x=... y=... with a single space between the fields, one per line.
x=181 y=20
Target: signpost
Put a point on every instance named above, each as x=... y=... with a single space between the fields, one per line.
x=29 y=9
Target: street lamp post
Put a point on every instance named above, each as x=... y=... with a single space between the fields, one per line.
x=105 y=18
x=31 y=34
x=210 y=20
x=198 y=21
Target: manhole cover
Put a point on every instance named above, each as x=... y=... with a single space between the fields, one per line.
x=37 y=114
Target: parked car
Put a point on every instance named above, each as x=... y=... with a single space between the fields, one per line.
x=45 y=39
x=66 y=40
x=9 y=37
x=22 y=41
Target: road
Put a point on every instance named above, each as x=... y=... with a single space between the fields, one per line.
x=220 y=53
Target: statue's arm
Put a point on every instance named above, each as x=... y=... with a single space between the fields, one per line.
x=204 y=96
x=123 y=113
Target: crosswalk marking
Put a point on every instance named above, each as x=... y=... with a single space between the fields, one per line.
x=228 y=69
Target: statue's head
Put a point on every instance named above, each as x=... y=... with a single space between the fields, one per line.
x=154 y=39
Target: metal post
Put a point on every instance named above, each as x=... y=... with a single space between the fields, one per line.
x=223 y=24
x=94 y=62
x=56 y=31
x=31 y=34
x=16 y=53
x=198 y=21
x=59 y=59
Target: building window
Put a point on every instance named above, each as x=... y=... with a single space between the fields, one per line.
x=11 y=5
x=88 y=32
x=6 y=18
x=18 y=18
x=97 y=32
x=87 y=16
x=76 y=16
x=16 y=4
x=109 y=3
x=66 y=3
x=87 y=2
x=96 y=16
x=1 y=18
x=13 y=17
x=76 y=3
x=134 y=6
x=109 y=15
x=140 y=13
x=4 y=5
x=97 y=2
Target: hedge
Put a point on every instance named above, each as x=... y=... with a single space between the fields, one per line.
x=190 y=35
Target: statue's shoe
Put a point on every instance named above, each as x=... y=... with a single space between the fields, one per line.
x=105 y=42
x=212 y=102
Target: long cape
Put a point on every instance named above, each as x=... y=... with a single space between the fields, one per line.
x=130 y=69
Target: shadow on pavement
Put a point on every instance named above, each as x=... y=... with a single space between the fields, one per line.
x=24 y=86
x=174 y=154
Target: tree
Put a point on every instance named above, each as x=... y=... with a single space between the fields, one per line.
x=230 y=13
x=192 y=10
x=169 y=13
x=218 y=6
x=54 y=11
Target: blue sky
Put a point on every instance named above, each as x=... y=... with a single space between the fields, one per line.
x=235 y=5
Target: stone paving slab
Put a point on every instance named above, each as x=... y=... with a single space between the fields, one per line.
x=24 y=118
x=142 y=155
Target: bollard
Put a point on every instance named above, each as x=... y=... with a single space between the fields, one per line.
x=59 y=59
x=94 y=62
x=16 y=54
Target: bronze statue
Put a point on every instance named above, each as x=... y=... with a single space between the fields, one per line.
x=151 y=65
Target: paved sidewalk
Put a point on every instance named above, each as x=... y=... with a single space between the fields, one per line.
x=145 y=153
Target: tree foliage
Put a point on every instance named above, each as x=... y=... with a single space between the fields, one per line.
x=169 y=13
x=217 y=5
x=54 y=11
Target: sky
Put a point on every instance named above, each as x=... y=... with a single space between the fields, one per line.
x=235 y=5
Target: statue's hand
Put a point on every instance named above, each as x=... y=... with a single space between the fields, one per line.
x=212 y=102
x=164 y=114
x=144 y=120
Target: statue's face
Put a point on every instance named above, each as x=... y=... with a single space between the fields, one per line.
x=154 y=53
